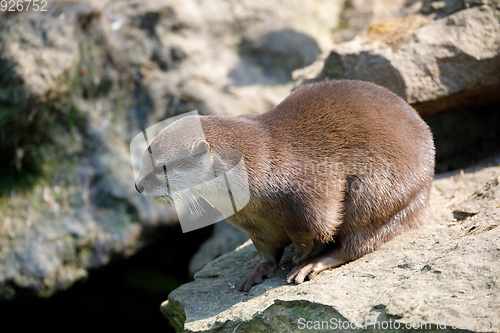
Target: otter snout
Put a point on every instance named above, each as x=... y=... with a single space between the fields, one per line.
x=139 y=189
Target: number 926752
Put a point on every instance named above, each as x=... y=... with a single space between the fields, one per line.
x=23 y=5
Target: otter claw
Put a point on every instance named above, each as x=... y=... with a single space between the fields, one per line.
x=301 y=272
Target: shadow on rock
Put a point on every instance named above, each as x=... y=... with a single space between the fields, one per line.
x=273 y=58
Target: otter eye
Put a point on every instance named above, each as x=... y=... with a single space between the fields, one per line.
x=201 y=147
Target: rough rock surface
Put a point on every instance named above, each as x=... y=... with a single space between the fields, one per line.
x=357 y=15
x=439 y=275
x=439 y=61
x=79 y=81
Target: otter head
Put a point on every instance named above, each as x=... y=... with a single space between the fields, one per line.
x=180 y=166
x=177 y=160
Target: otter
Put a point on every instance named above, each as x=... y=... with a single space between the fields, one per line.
x=343 y=163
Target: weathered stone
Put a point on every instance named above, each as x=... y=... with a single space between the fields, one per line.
x=436 y=276
x=436 y=65
x=357 y=15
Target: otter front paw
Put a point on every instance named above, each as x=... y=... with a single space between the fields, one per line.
x=263 y=269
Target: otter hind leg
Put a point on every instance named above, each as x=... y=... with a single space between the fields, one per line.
x=353 y=245
x=413 y=215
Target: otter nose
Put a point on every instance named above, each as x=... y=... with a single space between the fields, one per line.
x=139 y=189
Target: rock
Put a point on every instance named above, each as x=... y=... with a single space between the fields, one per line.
x=357 y=15
x=435 y=64
x=66 y=201
x=236 y=57
x=435 y=276
x=79 y=81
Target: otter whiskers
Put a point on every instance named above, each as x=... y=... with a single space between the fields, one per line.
x=192 y=199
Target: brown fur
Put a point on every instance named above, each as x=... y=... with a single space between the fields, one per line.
x=342 y=162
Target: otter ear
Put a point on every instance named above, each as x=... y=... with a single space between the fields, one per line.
x=201 y=147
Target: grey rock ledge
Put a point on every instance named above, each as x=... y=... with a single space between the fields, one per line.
x=438 y=275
